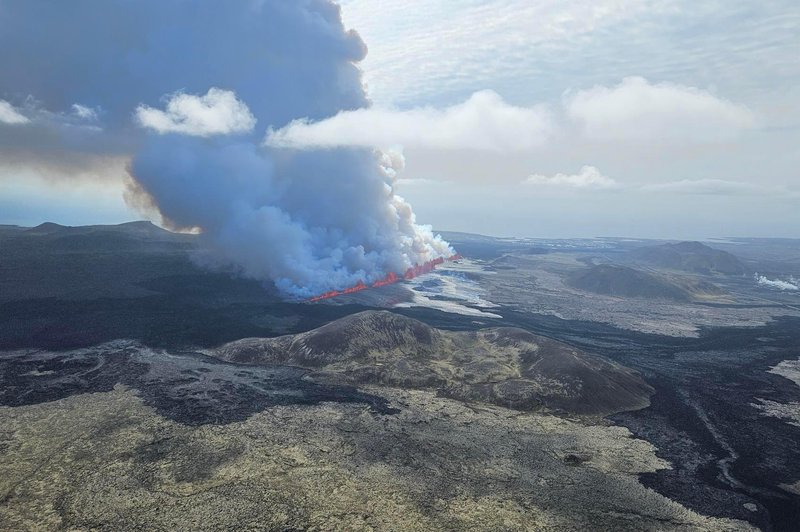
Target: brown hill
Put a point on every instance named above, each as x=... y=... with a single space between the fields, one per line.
x=690 y=257
x=622 y=281
x=504 y=366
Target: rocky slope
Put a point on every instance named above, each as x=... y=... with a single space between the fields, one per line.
x=622 y=281
x=690 y=257
x=105 y=461
x=504 y=366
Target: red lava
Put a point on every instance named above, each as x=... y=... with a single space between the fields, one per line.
x=390 y=278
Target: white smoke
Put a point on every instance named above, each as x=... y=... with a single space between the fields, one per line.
x=308 y=221
x=792 y=284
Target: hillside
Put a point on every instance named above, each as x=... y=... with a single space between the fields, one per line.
x=622 y=281
x=504 y=366
x=52 y=260
x=692 y=257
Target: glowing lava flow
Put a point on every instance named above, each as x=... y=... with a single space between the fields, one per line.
x=391 y=278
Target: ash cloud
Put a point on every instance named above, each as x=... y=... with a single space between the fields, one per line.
x=200 y=77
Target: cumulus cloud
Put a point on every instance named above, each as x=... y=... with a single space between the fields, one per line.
x=218 y=112
x=483 y=122
x=58 y=144
x=589 y=177
x=633 y=111
x=640 y=111
x=10 y=115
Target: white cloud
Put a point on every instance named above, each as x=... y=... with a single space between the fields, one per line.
x=420 y=49
x=591 y=177
x=716 y=187
x=422 y=181
x=9 y=115
x=633 y=111
x=83 y=112
x=637 y=110
x=218 y=112
x=588 y=177
x=425 y=51
x=483 y=122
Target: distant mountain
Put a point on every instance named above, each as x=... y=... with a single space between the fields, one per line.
x=690 y=257
x=481 y=246
x=140 y=228
x=52 y=260
x=131 y=236
x=505 y=366
x=622 y=281
x=47 y=228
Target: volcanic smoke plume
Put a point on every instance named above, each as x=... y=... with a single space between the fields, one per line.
x=188 y=90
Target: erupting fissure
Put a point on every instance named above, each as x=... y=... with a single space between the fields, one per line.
x=391 y=278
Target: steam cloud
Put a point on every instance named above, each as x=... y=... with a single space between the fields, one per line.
x=182 y=91
x=792 y=284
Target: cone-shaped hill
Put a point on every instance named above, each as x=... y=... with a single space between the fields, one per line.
x=692 y=257
x=505 y=366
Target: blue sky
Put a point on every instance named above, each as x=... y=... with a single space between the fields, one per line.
x=651 y=118
x=673 y=184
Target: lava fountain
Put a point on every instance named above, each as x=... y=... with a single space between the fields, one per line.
x=390 y=278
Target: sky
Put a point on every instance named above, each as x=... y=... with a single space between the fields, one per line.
x=553 y=118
